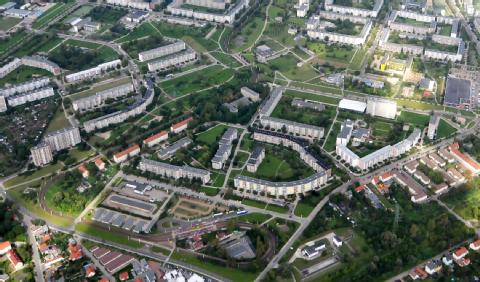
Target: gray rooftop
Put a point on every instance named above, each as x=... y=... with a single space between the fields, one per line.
x=174 y=147
x=458 y=91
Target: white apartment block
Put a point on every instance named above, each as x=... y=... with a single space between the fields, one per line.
x=402 y=27
x=446 y=40
x=343 y=17
x=255 y=159
x=432 y=126
x=137 y=4
x=156 y=138
x=229 y=16
x=98 y=100
x=419 y=17
x=11 y=66
x=292 y=127
x=176 y=59
x=162 y=51
x=278 y=189
x=93 y=72
x=120 y=116
x=444 y=55
x=41 y=154
x=382 y=107
x=42 y=63
x=173 y=171
x=397 y=48
x=296 y=144
x=224 y=149
x=302 y=10
x=63 y=138
x=34 y=95
x=346 y=129
x=356 y=40
x=329 y=6
x=211 y=4
x=127 y=153
x=380 y=155
x=3 y=104
x=25 y=87
x=250 y=94
x=269 y=105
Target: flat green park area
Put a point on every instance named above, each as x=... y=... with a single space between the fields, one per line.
x=287 y=65
x=50 y=14
x=58 y=121
x=12 y=41
x=7 y=23
x=444 y=129
x=42 y=172
x=211 y=135
x=143 y=30
x=415 y=119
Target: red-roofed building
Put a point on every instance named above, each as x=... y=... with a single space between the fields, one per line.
x=83 y=171
x=138 y=279
x=463 y=262
x=90 y=270
x=100 y=164
x=123 y=276
x=460 y=253
x=180 y=126
x=475 y=245
x=156 y=138
x=360 y=188
x=43 y=247
x=75 y=251
x=14 y=259
x=463 y=159
x=127 y=153
x=422 y=274
x=103 y=279
x=5 y=247
x=386 y=176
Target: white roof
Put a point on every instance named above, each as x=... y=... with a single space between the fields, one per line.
x=352 y=105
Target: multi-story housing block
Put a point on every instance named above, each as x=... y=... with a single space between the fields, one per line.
x=34 y=95
x=168 y=151
x=127 y=153
x=250 y=94
x=11 y=66
x=322 y=34
x=98 y=100
x=269 y=105
x=172 y=60
x=211 y=4
x=175 y=8
x=432 y=126
x=137 y=4
x=42 y=63
x=173 y=171
x=41 y=154
x=25 y=86
x=93 y=72
x=224 y=149
x=255 y=159
x=162 y=51
x=292 y=127
x=359 y=12
x=63 y=138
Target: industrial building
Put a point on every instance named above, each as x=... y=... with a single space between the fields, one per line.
x=458 y=93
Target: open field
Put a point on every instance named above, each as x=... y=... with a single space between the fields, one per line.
x=7 y=23
x=417 y=120
x=314 y=97
x=58 y=121
x=50 y=14
x=317 y=87
x=12 y=41
x=42 y=172
x=287 y=65
x=145 y=29
x=212 y=135
x=226 y=59
x=209 y=191
x=445 y=129
x=256 y=218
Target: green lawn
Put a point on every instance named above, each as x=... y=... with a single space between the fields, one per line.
x=248 y=34
x=358 y=59
x=196 y=81
x=445 y=129
x=276 y=208
x=217 y=179
x=226 y=59
x=37 y=174
x=287 y=65
x=254 y=203
x=330 y=143
x=211 y=135
x=12 y=41
x=50 y=14
x=305 y=206
x=80 y=155
x=58 y=121
x=143 y=30
x=256 y=218
x=209 y=191
x=331 y=53
x=316 y=87
x=418 y=105
x=50 y=44
x=6 y=23
x=107 y=235
x=417 y=120
x=100 y=87
x=82 y=44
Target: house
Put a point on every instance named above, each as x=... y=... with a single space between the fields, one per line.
x=337 y=241
x=180 y=126
x=433 y=267
x=100 y=164
x=90 y=270
x=156 y=138
x=359 y=188
x=5 y=247
x=14 y=259
x=314 y=249
x=460 y=253
x=125 y=154
x=123 y=276
x=475 y=245
x=418 y=273
x=463 y=262
x=447 y=259
x=75 y=250
x=83 y=171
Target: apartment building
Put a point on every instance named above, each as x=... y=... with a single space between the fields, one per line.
x=11 y=66
x=358 y=12
x=346 y=129
x=210 y=4
x=277 y=189
x=180 y=126
x=175 y=8
x=162 y=51
x=292 y=127
x=25 y=86
x=127 y=153
x=41 y=154
x=300 y=103
x=224 y=148
x=173 y=60
x=156 y=138
x=444 y=55
x=319 y=33
x=63 y=138
x=250 y=94
x=255 y=159
x=464 y=159
x=269 y=105
x=168 y=151
x=98 y=100
x=446 y=40
x=136 y=4
x=395 y=47
x=118 y=117
x=343 y=17
x=31 y=96
x=42 y=63
x=92 y=72
x=432 y=126
x=173 y=171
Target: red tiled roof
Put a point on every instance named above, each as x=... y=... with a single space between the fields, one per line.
x=137 y=279
x=75 y=252
x=5 y=245
x=103 y=279
x=421 y=272
x=90 y=270
x=182 y=123
x=82 y=168
x=123 y=276
x=461 y=251
x=127 y=151
x=13 y=257
x=476 y=244
x=42 y=247
x=99 y=162
x=360 y=188
x=454 y=149
x=386 y=175
x=155 y=136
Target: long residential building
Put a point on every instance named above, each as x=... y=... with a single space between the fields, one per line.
x=127 y=153
x=271 y=102
x=11 y=66
x=292 y=127
x=464 y=159
x=63 y=138
x=118 y=117
x=161 y=51
x=98 y=100
x=172 y=60
x=92 y=72
x=173 y=171
x=380 y=155
x=34 y=95
x=224 y=148
x=432 y=126
x=210 y=4
x=168 y=151
x=229 y=16
x=137 y=4
x=356 y=40
x=42 y=63
x=41 y=154
x=156 y=138
x=25 y=86
x=358 y=12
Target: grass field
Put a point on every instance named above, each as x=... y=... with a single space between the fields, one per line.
x=82 y=44
x=217 y=179
x=226 y=59
x=58 y=121
x=305 y=206
x=445 y=129
x=42 y=172
x=330 y=143
x=254 y=203
x=209 y=191
x=196 y=81
x=418 y=105
x=50 y=14
x=211 y=135
x=248 y=34
x=276 y=208
x=317 y=87
x=331 y=53
x=314 y=97
x=143 y=30
x=106 y=235
x=256 y=218
x=358 y=59
x=12 y=41
x=50 y=45
x=287 y=65
x=7 y=23
x=417 y=120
